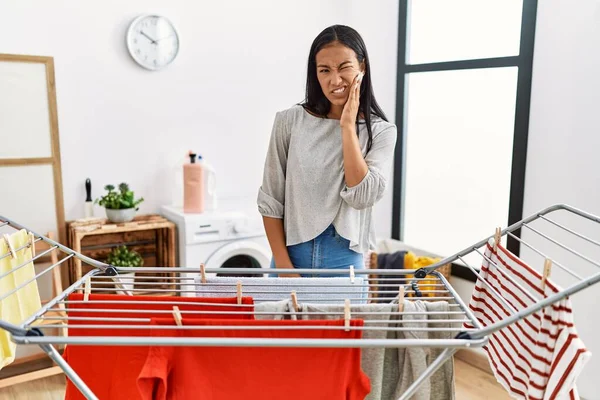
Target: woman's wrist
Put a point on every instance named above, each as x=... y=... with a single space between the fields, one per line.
x=348 y=128
x=284 y=265
x=283 y=261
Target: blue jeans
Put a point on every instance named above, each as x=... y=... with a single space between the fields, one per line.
x=329 y=250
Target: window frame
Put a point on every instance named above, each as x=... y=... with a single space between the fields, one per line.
x=524 y=62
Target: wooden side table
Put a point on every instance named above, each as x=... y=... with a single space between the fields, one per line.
x=152 y=236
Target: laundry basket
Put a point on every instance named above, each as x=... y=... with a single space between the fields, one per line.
x=420 y=257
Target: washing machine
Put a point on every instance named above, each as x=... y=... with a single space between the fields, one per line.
x=219 y=239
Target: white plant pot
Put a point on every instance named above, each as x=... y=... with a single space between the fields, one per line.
x=122 y=215
x=126 y=280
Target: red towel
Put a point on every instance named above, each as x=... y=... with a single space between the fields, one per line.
x=538 y=357
x=111 y=371
x=253 y=373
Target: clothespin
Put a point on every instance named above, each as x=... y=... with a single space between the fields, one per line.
x=87 y=289
x=11 y=249
x=352 y=274
x=295 y=301
x=177 y=316
x=32 y=243
x=239 y=292
x=546 y=273
x=401 y=299
x=202 y=273
x=347 y=315
x=497 y=238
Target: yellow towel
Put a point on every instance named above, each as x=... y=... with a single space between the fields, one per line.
x=19 y=306
x=413 y=262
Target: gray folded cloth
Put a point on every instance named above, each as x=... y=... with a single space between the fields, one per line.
x=330 y=290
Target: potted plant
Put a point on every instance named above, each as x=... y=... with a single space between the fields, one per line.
x=123 y=257
x=120 y=205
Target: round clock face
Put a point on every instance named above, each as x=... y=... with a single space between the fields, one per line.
x=152 y=41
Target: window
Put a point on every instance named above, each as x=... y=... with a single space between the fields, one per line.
x=464 y=83
x=450 y=30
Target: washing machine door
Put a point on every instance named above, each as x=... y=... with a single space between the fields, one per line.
x=240 y=254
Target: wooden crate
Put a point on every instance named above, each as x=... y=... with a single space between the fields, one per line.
x=153 y=236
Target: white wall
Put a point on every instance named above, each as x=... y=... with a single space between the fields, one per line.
x=239 y=63
x=562 y=157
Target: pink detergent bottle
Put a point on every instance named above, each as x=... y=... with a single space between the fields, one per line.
x=193 y=186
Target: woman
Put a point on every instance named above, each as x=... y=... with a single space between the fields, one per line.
x=328 y=161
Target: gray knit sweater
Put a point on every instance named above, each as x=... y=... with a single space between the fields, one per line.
x=304 y=184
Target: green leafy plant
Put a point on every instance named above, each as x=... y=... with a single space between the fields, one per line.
x=119 y=199
x=123 y=257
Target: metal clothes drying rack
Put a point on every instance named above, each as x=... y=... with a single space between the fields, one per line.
x=105 y=278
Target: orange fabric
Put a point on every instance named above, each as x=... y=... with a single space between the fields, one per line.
x=111 y=371
x=253 y=373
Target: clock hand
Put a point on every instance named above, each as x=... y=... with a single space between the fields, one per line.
x=151 y=40
x=166 y=37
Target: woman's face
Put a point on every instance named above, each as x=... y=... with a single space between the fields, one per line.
x=337 y=66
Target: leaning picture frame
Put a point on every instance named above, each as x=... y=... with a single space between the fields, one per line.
x=30 y=160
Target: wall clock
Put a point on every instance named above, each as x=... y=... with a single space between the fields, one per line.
x=152 y=41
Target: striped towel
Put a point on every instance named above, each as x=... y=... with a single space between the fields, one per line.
x=536 y=358
x=331 y=290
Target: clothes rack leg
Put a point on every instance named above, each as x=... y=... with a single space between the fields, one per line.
x=438 y=362
x=71 y=374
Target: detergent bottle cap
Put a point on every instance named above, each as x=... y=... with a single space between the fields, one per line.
x=192 y=156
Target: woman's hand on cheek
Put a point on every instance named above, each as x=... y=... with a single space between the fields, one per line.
x=350 y=111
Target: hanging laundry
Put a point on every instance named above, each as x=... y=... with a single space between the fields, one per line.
x=392 y=370
x=372 y=359
x=273 y=310
x=254 y=373
x=330 y=290
x=404 y=365
x=111 y=371
x=538 y=357
x=23 y=303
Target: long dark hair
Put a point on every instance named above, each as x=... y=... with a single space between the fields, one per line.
x=315 y=100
